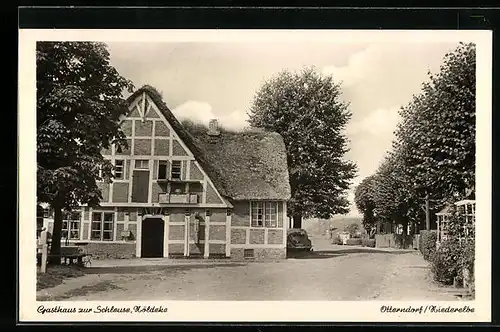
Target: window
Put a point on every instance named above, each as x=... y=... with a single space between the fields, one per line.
x=119 y=174
x=248 y=253
x=162 y=170
x=176 y=169
x=102 y=226
x=264 y=214
x=142 y=164
x=71 y=226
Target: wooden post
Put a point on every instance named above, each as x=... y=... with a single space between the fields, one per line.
x=206 y=247
x=43 y=264
x=427 y=213
x=43 y=242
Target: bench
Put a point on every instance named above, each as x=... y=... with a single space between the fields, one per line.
x=70 y=255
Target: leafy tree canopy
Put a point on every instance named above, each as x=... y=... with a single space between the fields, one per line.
x=306 y=109
x=79 y=103
x=438 y=130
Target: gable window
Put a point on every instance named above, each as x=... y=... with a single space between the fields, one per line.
x=264 y=214
x=175 y=174
x=119 y=169
x=162 y=170
x=102 y=226
x=71 y=226
x=142 y=164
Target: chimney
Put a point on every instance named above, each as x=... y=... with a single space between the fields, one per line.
x=213 y=128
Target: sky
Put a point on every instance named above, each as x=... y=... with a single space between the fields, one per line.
x=202 y=81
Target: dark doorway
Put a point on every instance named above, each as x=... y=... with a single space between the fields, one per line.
x=152 y=238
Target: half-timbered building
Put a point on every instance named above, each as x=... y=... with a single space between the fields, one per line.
x=175 y=192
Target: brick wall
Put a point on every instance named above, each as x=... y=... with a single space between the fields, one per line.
x=275 y=236
x=260 y=254
x=257 y=236
x=238 y=235
x=216 y=248
x=161 y=129
x=177 y=149
x=142 y=147
x=212 y=197
x=195 y=172
x=176 y=232
x=217 y=232
x=162 y=147
x=143 y=128
x=111 y=250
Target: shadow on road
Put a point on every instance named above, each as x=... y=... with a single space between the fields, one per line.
x=343 y=252
x=152 y=268
x=371 y=250
x=315 y=254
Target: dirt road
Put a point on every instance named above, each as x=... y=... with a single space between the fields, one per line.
x=329 y=273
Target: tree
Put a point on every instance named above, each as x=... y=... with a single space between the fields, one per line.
x=352 y=229
x=392 y=197
x=364 y=200
x=305 y=108
x=79 y=102
x=437 y=129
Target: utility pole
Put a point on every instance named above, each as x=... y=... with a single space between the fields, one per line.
x=427 y=214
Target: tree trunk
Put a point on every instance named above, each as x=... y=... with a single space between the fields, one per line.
x=297 y=221
x=427 y=213
x=55 y=247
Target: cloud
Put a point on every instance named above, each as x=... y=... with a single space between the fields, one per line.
x=380 y=122
x=202 y=112
x=194 y=110
x=359 y=65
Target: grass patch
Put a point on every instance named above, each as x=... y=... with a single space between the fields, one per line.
x=56 y=274
x=102 y=286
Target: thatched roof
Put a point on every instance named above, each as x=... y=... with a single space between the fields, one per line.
x=242 y=165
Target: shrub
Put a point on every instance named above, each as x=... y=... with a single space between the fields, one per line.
x=445 y=262
x=368 y=243
x=353 y=242
x=352 y=229
x=467 y=251
x=428 y=243
x=336 y=239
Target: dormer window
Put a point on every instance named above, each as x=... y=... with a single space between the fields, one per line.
x=175 y=173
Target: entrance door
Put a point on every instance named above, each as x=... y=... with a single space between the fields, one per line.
x=152 y=238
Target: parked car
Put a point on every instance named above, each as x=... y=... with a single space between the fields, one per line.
x=298 y=240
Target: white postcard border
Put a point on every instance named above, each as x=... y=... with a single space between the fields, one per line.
x=292 y=311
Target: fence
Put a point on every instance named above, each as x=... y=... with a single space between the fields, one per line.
x=396 y=241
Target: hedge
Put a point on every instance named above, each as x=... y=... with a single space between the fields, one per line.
x=428 y=243
x=368 y=243
x=445 y=262
x=353 y=242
